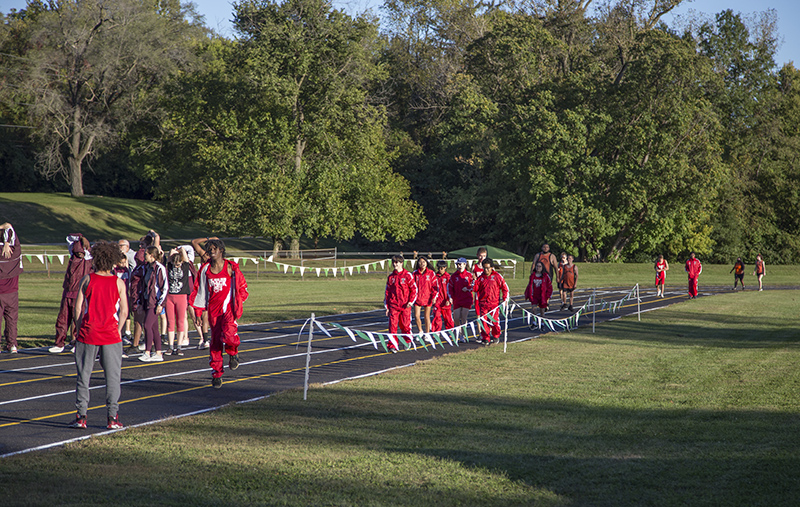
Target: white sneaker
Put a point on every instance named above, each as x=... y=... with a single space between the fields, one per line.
x=156 y=357
x=13 y=350
x=56 y=350
x=145 y=357
x=142 y=346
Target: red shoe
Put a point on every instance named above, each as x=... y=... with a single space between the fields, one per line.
x=79 y=422
x=114 y=424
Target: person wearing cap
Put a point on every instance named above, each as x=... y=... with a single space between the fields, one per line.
x=443 y=307
x=459 y=290
x=78 y=266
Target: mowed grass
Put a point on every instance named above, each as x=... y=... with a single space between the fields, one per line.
x=697 y=404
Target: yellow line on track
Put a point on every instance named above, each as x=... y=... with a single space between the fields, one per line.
x=144 y=365
x=170 y=393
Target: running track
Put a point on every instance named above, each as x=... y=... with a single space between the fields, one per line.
x=37 y=389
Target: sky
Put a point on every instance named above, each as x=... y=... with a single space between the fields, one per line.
x=219 y=12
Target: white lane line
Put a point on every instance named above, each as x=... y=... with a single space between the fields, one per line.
x=188 y=372
x=179 y=416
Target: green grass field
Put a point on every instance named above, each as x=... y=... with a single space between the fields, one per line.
x=697 y=404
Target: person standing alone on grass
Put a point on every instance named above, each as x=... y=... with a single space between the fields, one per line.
x=568 y=279
x=10 y=268
x=101 y=308
x=760 y=271
x=693 y=269
x=399 y=297
x=738 y=273
x=221 y=290
x=491 y=290
x=661 y=267
x=78 y=266
x=460 y=292
x=443 y=309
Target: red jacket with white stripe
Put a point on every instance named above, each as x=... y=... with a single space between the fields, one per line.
x=491 y=290
x=427 y=287
x=400 y=290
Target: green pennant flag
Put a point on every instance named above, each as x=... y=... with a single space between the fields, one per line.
x=362 y=335
x=294 y=269
x=343 y=269
x=50 y=258
x=438 y=338
x=383 y=341
x=326 y=270
x=27 y=256
x=358 y=269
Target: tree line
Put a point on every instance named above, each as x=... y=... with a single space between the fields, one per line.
x=602 y=129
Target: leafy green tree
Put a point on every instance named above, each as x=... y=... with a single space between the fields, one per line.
x=280 y=134
x=87 y=69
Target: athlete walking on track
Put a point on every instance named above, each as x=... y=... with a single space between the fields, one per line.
x=101 y=308
x=220 y=288
x=693 y=269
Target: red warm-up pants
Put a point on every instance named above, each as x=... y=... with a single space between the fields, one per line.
x=490 y=329
x=443 y=313
x=224 y=335
x=693 y=286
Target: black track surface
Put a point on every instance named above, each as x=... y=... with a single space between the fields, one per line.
x=37 y=389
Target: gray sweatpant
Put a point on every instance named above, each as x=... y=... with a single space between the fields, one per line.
x=111 y=362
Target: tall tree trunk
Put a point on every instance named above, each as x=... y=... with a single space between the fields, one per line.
x=75 y=177
x=75 y=159
x=277 y=244
x=294 y=248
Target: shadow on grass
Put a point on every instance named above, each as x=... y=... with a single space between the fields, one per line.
x=707 y=330
x=371 y=447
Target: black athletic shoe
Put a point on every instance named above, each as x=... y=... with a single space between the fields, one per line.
x=233 y=362
x=216 y=382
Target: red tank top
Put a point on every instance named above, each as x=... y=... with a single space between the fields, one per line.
x=100 y=324
x=568 y=277
x=219 y=291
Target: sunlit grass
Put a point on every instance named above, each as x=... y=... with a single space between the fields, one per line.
x=697 y=404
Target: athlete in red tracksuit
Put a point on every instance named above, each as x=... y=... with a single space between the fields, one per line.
x=399 y=297
x=443 y=307
x=220 y=288
x=460 y=291
x=427 y=292
x=490 y=290
x=540 y=288
x=693 y=268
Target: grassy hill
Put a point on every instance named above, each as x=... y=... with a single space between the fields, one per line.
x=47 y=218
